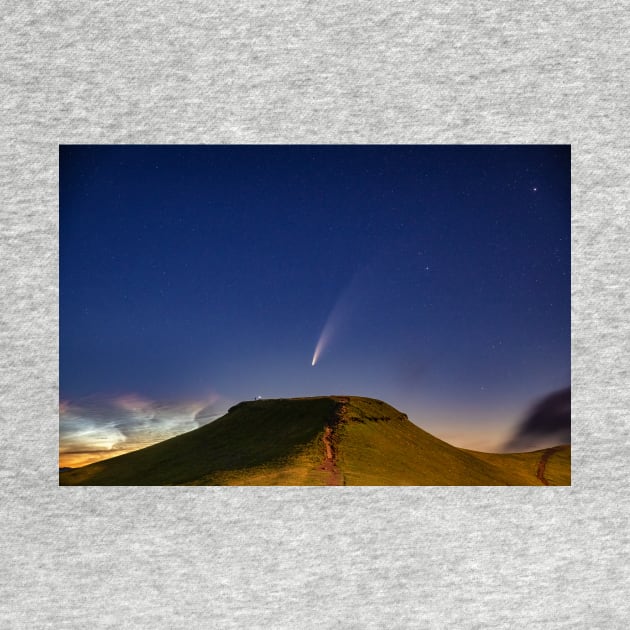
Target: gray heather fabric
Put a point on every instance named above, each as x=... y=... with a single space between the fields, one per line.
x=278 y=72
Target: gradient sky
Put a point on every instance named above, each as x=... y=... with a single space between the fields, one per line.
x=193 y=277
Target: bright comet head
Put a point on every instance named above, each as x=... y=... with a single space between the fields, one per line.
x=320 y=346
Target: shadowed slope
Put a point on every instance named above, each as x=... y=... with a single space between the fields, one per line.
x=251 y=434
x=315 y=441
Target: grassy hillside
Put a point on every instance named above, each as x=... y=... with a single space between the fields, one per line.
x=318 y=441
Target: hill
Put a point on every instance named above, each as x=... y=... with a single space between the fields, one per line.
x=332 y=440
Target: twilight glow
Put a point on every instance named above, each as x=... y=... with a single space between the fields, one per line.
x=95 y=428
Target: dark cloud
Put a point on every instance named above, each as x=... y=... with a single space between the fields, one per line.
x=548 y=424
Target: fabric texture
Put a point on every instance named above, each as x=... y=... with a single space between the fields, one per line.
x=326 y=72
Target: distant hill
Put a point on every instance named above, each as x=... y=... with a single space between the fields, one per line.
x=332 y=440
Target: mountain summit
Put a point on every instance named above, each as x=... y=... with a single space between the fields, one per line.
x=330 y=440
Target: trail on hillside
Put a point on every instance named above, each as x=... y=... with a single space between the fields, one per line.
x=329 y=438
x=540 y=473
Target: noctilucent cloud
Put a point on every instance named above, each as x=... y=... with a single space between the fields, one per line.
x=436 y=278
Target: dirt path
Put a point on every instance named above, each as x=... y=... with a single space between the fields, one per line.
x=540 y=473
x=335 y=478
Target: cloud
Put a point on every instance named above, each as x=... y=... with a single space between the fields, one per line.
x=94 y=428
x=548 y=424
x=82 y=434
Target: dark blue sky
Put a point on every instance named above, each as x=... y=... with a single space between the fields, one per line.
x=186 y=271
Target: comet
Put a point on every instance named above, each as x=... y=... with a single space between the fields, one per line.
x=347 y=299
x=324 y=338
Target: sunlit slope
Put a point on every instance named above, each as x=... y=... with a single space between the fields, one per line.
x=557 y=470
x=378 y=445
x=315 y=441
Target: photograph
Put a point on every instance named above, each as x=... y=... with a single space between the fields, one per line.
x=315 y=315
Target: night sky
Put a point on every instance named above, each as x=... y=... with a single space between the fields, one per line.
x=195 y=277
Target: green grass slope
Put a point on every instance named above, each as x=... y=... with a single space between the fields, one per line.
x=316 y=441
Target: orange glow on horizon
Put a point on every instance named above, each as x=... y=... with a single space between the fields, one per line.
x=76 y=460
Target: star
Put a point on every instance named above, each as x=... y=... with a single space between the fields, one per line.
x=535 y=189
